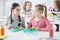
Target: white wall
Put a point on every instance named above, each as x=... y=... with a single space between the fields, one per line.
x=9 y=3
x=44 y=2
x=5 y=6
x=1 y=8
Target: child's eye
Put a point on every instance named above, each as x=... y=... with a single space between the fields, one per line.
x=18 y=9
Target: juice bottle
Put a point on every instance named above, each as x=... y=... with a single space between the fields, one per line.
x=51 y=33
x=2 y=32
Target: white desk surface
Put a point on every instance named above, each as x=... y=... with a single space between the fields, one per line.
x=23 y=36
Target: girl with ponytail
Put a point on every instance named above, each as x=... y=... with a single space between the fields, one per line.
x=15 y=20
x=40 y=22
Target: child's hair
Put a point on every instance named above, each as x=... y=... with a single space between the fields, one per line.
x=41 y=7
x=24 y=6
x=57 y=3
x=14 y=5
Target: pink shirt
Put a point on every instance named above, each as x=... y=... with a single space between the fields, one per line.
x=43 y=24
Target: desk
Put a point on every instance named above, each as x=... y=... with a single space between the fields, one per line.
x=23 y=36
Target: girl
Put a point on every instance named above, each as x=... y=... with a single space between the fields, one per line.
x=38 y=21
x=15 y=20
x=56 y=9
x=27 y=11
x=56 y=12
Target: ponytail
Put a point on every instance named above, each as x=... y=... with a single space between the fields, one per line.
x=11 y=21
x=19 y=18
x=14 y=5
x=11 y=17
x=45 y=12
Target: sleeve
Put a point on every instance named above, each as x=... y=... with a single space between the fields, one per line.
x=48 y=25
x=23 y=22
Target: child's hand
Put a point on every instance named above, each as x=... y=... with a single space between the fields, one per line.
x=9 y=27
x=37 y=28
x=32 y=27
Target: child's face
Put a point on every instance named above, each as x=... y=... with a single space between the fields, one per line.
x=54 y=5
x=16 y=11
x=28 y=6
x=38 y=12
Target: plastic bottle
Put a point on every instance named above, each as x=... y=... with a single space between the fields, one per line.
x=2 y=32
x=51 y=34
